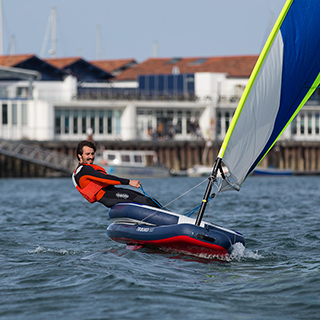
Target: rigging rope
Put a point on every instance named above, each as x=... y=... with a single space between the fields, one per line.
x=156 y=202
x=189 y=213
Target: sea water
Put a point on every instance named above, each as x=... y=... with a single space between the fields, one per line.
x=58 y=263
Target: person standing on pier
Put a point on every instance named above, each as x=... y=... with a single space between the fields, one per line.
x=94 y=184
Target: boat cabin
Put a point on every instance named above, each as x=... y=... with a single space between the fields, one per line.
x=129 y=158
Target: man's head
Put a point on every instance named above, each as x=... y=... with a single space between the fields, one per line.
x=85 y=151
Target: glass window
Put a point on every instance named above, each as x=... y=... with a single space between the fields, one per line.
x=84 y=121
x=111 y=157
x=227 y=119
x=190 y=127
x=118 y=121
x=178 y=127
x=219 y=122
x=294 y=126
x=14 y=113
x=24 y=113
x=4 y=114
x=302 y=123
x=100 y=121
x=309 y=123
x=125 y=158
x=317 y=123
x=75 y=122
x=66 y=121
x=109 y=117
x=92 y=120
x=57 y=121
x=138 y=158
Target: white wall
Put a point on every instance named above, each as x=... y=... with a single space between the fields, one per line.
x=207 y=85
x=129 y=122
x=56 y=90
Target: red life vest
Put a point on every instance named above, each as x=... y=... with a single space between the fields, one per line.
x=92 y=188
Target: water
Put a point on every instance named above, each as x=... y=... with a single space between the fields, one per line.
x=57 y=262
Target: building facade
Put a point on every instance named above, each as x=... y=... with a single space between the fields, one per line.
x=189 y=103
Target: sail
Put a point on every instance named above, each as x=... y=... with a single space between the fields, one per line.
x=285 y=76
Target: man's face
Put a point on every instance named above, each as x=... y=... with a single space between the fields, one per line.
x=87 y=155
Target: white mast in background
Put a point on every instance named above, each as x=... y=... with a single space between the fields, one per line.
x=53 y=49
x=1 y=31
x=155 y=49
x=12 y=44
x=52 y=26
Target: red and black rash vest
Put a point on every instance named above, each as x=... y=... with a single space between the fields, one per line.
x=91 y=179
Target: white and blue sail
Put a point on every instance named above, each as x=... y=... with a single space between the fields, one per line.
x=285 y=76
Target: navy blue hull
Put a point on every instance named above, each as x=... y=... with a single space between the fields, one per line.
x=149 y=227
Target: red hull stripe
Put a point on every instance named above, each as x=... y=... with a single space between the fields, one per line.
x=178 y=243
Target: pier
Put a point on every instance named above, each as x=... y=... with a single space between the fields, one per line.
x=51 y=159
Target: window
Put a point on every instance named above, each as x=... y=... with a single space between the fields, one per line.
x=75 y=122
x=302 y=123
x=66 y=121
x=294 y=126
x=219 y=122
x=109 y=120
x=138 y=158
x=4 y=114
x=14 y=113
x=179 y=123
x=57 y=122
x=317 y=123
x=189 y=123
x=125 y=158
x=309 y=123
x=117 y=115
x=227 y=117
x=100 y=121
x=92 y=121
x=84 y=122
x=24 y=114
x=198 y=62
x=111 y=157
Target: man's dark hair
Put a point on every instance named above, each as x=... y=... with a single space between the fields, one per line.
x=85 y=143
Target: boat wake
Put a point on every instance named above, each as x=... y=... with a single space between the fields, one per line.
x=239 y=252
x=40 y=250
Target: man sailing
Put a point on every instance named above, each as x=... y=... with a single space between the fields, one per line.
x=93 y=182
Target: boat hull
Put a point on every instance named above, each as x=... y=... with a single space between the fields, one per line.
x=143 y=226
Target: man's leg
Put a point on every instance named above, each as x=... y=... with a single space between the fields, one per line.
x=115 y=195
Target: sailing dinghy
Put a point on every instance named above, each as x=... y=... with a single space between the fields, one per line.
x=283 y=79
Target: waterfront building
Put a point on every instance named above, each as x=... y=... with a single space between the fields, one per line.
x=173 y=98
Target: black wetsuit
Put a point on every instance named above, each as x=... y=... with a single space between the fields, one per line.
x=109 y=195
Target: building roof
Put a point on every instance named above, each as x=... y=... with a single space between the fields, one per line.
x=14 y=60
x=32 y=62
x=62 y=63
x=114 y=66
x=233 y=66
x=82 y=69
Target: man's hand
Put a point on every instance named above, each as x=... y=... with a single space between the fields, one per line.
x=135 y=183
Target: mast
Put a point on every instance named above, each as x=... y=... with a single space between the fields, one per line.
x=51 y=26
x=53 y=49
x=212 y=179
x=1 y=31
x=155 y=49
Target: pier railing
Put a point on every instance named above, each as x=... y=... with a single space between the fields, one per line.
x=40 y=156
